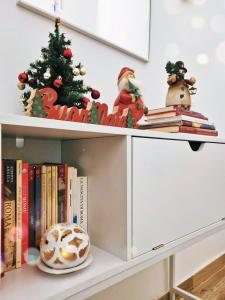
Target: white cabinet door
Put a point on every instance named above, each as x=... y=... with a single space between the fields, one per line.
x=176 y=190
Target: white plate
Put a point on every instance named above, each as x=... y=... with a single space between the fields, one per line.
x=49 y=270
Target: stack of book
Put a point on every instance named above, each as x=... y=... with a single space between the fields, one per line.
x=34 y=197
x=174 y=119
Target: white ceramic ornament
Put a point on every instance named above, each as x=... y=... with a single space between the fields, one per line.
x=83 y=71
x=21 y=86
x=41 y=59
x=47 y=74
x=76 y=71
x=64 y=246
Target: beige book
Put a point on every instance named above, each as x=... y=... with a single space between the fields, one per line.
x=54 y=195
x=43 y=200
x=167 y=129
x=49 y=195
x=18 y=213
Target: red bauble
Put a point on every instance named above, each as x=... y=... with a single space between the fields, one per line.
x=67 y=53
x=57 y=83
x=85 y=101
x=22 y=77
x=95 y=94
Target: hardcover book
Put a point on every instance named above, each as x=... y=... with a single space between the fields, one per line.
x=18 y=213
x=62 y=193
x=10 y=214
x=37 y=204
x=49 y=195
x=176 y=113
x=82 y=202
x=186 y=129
x=25 y=213
x=31 y=207
x=43 y=199
x=2 y=258
x=54 y=195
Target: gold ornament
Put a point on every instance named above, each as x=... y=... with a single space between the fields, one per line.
x=64 y=246
x=76 y=71
x=82 y=71
x=21 y=86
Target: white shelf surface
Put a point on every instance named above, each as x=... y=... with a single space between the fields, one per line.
x=23 y=126
x=106 y=270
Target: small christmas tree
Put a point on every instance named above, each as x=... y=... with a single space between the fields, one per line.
x=55 y=69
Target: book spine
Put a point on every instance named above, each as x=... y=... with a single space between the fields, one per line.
x=83 y=202
x=10 y=214
x=61 y=193
x=191 y=114
x=54 y=193
x=2 y=258
x=49 y=195
x=37 y=204
x=69 y=217
x=43 y=199
x=186 y=129
x=18 y=213
x=66 y=195
x=31 y=207
x=198 y=125
x=74 y=196
x=25 y=214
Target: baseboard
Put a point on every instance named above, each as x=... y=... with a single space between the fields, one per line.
x=203 y=275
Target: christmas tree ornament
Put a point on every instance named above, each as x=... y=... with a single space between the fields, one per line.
x=180 y=89
x=64 y=246
x=58 y=82
x=32 y=83
x=21 y=85
x=23 y=77
x=95 y=94
x=47 y=74
x=84 y=87
x=76 y=71
x=82 y=71
x=67 y=53
x=129 y=94
x=41 y=59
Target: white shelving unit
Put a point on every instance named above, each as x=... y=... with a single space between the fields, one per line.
x=141 y=187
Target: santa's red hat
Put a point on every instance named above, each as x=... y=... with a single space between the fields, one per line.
x=124 y=72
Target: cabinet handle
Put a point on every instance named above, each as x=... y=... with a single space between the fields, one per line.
x=196 y=146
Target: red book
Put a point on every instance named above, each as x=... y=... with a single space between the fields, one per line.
x=2 y=270
x=193 y=130
x=25 y=213
x=175 y=112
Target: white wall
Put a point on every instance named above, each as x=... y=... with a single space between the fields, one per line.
x=22 y=34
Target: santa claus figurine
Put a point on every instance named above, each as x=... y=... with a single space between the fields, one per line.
x=129 y=97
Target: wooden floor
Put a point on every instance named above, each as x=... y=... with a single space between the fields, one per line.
x=208 y=284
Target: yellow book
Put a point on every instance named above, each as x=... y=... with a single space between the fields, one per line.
x=43 y=199
x=49 y=196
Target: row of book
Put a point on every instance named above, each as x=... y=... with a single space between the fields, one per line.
x=175 y=119
x=34 y=197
